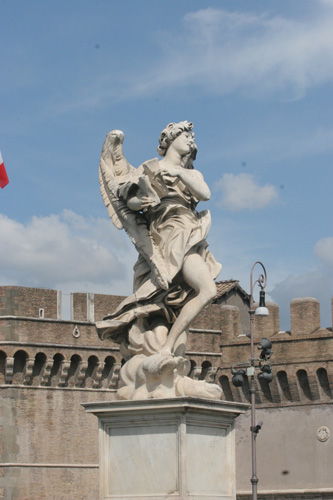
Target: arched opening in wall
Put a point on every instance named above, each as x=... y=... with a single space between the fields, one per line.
x=73 y=368
x=265 y=389
x=3 y=357
x=193 y=365
x=195 y=371
x=206 y=365
x=53 y=379
x=40 y=360
x=324 y=382
x=123 y=361
x=225 y=384
x=303 y=380
x=246 y=388
x=20 y=358
x=284 y=384
x=92 y=363
x=107 y=371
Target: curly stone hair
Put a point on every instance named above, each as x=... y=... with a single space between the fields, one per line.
x=170 y=133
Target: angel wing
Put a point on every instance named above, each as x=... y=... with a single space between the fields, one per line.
x=113 y=168
x=112 y=164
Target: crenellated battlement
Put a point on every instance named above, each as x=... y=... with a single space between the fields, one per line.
x=89 y=307
x=304 y=320
x=302 y=361
x=30 y=302
x=39 y=349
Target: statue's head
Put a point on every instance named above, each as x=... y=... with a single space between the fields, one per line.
x=169 y=134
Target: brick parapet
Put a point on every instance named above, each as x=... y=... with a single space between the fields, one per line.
x=202 y=341
x=79 y=309
x=230 y=322
x=209 y=318
x=105 y=304
x=26 y=301
x=304 y=316
x=286 y=350
x=59 y=332
x=266 y=326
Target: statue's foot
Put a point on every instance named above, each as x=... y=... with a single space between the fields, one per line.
x=166 y=351
x=186 y=386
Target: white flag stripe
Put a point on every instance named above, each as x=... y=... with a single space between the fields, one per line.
x=1 y=160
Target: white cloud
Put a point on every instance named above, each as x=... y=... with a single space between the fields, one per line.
x=239 y=192
x=317 y=283
x=280 y=145
x=222 y=51
x=235 y=243
x=257 y=53
x=324 y=250
x=67 y=249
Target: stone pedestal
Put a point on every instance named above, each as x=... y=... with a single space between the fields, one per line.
x=181 y=448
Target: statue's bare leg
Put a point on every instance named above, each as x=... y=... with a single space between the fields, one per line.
x=197 y=275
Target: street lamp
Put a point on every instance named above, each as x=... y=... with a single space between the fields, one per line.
x=266 y=371
x=260 y=311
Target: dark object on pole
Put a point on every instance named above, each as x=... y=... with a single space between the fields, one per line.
x=266 y=373
x=238 y=377
x=257 y=427
x=262 y=309
x=266 y=347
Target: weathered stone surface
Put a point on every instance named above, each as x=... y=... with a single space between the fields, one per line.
x=184 y=447
x=175 y=272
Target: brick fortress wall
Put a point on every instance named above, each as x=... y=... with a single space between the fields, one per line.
x=49 y=366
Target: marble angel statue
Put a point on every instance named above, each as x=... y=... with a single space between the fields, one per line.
x=175 y=272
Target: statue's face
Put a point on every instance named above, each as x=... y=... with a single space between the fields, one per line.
x=183 y=143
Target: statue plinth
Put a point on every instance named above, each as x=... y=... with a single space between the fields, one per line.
x=181 y=448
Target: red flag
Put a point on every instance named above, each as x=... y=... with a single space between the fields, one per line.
x=3 y=174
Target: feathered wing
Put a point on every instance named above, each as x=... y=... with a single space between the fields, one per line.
x=112 y=163
x=114 y=167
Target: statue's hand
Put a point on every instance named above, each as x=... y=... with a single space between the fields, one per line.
x=146 y=202
x=139 y=203
x=171 y=171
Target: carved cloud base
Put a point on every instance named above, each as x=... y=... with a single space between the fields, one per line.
x=180 y=448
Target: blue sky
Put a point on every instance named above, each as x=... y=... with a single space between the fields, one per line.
x=254 y=77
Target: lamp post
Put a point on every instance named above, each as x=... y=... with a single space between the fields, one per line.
x=260 y=311
x=266 y=371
